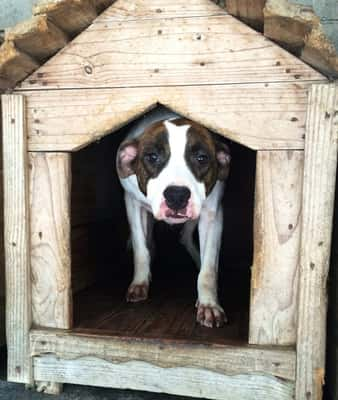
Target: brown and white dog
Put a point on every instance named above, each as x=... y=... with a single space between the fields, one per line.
x=173 y=169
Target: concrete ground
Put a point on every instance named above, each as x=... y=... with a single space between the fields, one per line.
x=14 y=391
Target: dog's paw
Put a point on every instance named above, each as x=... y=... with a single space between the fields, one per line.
x=137 y=292
x=210 y=316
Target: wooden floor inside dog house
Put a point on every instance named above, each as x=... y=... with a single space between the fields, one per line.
x=102 y=262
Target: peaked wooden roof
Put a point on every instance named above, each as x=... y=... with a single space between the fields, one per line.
x=194 y=59
x=144 y=43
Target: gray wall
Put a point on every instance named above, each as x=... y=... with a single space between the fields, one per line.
x=13 y=11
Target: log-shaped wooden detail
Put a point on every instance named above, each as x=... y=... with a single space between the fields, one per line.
x=277 y=229
x=14 y=65
x=227 y=360
x=72 y=16
x=16 y=228
x=38 y=37
x=168 y=51
x=318 y=198
x=258 y=116
x=247 y=10
x=50 y=182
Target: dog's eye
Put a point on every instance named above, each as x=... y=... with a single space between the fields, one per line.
x=152 y=157
x=202 y=158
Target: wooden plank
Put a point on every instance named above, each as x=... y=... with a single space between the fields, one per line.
x=72 y=16
x=50 y=182
x=229 y=360
x=158 y=9
x=258 y=116
x=16 y=228
x=277 y=229
x=14 y=65
x=38 y=37
x=165 y=52
x=288 y=23
x=318 y=196
x=250 y=11
x=139 y=375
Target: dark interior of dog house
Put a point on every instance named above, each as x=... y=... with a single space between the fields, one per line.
x=102 y=261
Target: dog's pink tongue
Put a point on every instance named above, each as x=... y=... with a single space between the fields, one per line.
x=176 y=214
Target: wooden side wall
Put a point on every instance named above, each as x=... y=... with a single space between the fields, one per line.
x=50 y=182
x=320 y=163
x=277 y=229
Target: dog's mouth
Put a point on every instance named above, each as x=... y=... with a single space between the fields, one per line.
x=177 y=214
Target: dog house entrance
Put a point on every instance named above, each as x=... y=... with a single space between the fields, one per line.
x=102 y=263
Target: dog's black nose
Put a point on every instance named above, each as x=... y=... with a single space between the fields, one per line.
x=177 y=197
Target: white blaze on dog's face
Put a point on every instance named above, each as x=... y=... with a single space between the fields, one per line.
x=176 y=163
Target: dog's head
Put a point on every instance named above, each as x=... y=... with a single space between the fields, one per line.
x=177 y=163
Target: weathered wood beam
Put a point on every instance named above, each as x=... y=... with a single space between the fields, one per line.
x=229 y=360
x=101 y=5
x=50 y=180
x=249 y=11
x=277 y=229
x=297 y=28
x=17 y=249
x=72 y=16
x=38 y=37
x=320 y=52
x=14 y=65
x=288 y=24
x=320 y=165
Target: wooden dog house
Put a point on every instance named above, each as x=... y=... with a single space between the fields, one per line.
x=209 y=67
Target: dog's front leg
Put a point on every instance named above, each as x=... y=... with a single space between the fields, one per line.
x=209 y=312
x=137 y=217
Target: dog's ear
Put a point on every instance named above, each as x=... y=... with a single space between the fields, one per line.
x=223 y=159
x=126 y=157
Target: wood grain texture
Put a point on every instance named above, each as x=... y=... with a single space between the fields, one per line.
x=72 y=16
x=139 y=375
x=224 y=359
x=159 y=9
x=258 y=116
x=277 y=230
x=16 y=233
x=318 y=196
x=50 y=182
x=250 y=11
x=14 y=65
x=38 y=37
x=167 y=52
